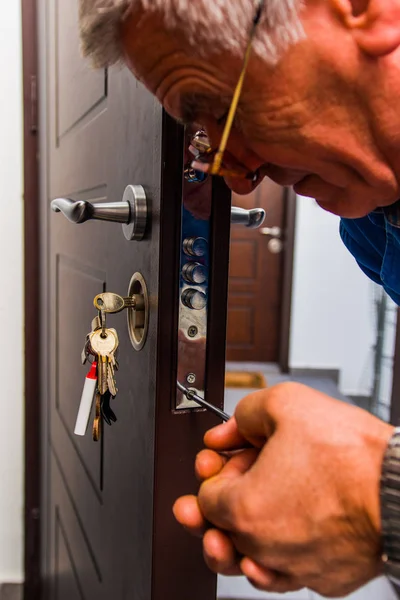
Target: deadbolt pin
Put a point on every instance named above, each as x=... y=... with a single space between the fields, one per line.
x=191 y=395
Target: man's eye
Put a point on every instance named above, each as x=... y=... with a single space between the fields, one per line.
x=222 y=117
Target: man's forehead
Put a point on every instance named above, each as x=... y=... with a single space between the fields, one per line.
x=221 y=24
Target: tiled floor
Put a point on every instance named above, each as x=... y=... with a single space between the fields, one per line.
x=238 y=588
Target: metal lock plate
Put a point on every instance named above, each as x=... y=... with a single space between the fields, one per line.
x=193 y=288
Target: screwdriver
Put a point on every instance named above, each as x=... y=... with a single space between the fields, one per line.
x=192 y=396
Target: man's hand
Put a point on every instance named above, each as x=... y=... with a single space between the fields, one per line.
x=301 y=510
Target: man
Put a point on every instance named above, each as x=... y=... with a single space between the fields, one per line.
x=305 y=506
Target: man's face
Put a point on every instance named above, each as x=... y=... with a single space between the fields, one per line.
x=311 y=121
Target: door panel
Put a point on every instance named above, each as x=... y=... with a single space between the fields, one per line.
x=108 y=529
x=255 y=281
x=78 y=89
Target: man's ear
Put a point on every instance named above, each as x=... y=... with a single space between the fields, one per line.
x=375 y=24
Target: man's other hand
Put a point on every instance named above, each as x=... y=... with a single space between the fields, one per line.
x=301 y=509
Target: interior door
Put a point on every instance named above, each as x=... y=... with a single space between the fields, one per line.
x=256 y=279
x=107 y=526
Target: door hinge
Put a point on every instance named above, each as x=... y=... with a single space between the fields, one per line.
x=34 y=105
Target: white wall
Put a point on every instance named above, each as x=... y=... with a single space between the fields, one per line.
x=332 y=312
x=11 y=290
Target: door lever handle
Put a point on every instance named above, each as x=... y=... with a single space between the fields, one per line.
x=79 y=211
x=131 y=212
x=253 y=218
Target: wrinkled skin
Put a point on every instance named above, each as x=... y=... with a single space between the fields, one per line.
x=325 y=119
x=302 y=507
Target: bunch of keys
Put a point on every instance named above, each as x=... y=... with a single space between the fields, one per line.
x=101 y=345
x=100 y=384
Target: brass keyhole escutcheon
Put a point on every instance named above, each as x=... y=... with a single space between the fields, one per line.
x=138 y=318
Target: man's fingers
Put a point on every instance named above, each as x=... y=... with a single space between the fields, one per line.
x=254 y=422
x=217 y=495
x=255 y=416
x=239 y=463
x=225 y=437
x=264 y=579
x=220 y=554
x=187 y=512
x=209 y=464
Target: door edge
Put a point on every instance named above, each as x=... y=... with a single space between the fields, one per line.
x=32 y=459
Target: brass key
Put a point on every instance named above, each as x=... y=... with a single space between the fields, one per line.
x=97 y=421
x=105 y=345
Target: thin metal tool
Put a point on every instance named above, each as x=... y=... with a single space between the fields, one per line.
x=191 y=395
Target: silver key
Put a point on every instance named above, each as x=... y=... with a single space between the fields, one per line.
x=111 y=303
x=85 y=351
x=96 y=324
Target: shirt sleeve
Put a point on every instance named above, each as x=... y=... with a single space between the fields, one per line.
x=100 y=22
x=374 y=250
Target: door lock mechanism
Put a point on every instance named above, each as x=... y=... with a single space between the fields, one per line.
x=137 y=306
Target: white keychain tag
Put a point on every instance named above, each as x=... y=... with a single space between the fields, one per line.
x=87 y=399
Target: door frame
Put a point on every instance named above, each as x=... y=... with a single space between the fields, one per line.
x=289 y=226
x=32 y=475
x=395 y=401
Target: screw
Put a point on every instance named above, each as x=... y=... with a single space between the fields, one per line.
x=191 y=378
x=193 y=331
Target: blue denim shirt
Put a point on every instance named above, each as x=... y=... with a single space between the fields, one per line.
x=374 y=241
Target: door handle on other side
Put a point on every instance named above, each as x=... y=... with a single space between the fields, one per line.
x=253 y=218
x=274 y=232
x=131 y=212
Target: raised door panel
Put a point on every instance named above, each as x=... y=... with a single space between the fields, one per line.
x=77 y=119
x=79 y=89
x=255 y=281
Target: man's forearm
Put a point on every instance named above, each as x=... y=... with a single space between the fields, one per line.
x=390 y=507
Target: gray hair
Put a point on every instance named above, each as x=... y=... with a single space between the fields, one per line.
x=220 y=24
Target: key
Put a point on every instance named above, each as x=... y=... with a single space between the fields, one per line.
x=102 y=381
x=113 y=303
x=86 y=352
x=96 y=432
x=96 y=323
x=112 y=384
x=104 y=345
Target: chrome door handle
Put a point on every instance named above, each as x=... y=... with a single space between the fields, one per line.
x=131 y=212
x=253 y=218
x=274 y=232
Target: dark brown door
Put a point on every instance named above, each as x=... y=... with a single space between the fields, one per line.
x=108 y=530
x=255 y=280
